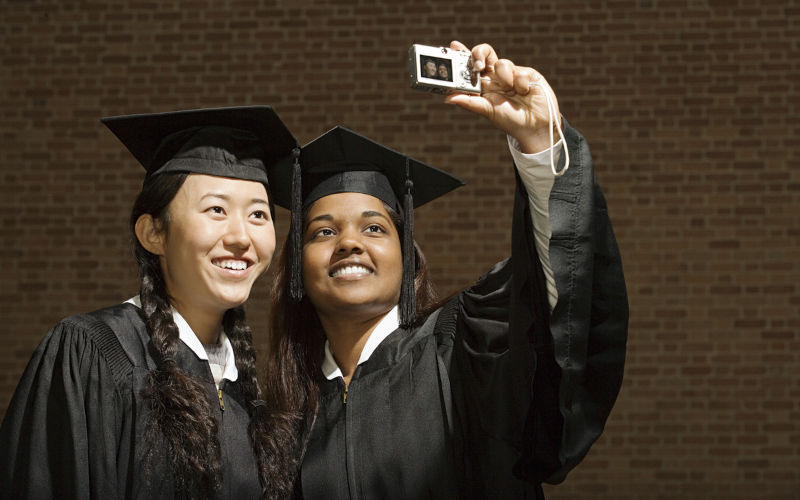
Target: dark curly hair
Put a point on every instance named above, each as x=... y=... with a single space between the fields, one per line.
x=181 y=417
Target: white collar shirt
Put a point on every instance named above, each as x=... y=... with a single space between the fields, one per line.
x=188 y=337
x=387 y=325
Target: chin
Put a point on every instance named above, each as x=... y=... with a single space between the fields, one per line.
x=233 y=300
x=370 y=306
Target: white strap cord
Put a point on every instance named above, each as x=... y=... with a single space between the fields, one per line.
x=551 y=112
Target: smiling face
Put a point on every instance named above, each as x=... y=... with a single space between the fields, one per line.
x=352 y=259
x=219 y=240
x=430 y=69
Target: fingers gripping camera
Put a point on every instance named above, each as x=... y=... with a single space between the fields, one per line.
x=442 y=70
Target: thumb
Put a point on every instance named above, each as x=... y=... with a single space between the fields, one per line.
x=474 y=103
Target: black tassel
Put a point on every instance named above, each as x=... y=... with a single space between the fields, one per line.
x=408 y=301
x=295 y=236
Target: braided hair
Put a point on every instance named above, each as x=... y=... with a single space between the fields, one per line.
x=181 y=417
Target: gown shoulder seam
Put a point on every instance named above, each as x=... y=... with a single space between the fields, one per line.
x=105 y=340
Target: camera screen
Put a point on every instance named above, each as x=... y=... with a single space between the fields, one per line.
x=436 y=68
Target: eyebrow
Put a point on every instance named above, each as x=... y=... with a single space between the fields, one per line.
x=372 y=213
x=366 y=214
x=225 y=197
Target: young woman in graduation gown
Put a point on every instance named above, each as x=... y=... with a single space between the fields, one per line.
x=157 y=397
x=504 y=386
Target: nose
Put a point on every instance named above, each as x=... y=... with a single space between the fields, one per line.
x=349 y=242
x=236 y=235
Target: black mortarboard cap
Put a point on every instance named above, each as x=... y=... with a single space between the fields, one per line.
x=237 y=142
x=341 y=161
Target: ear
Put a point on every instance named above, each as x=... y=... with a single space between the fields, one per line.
x=149 y=234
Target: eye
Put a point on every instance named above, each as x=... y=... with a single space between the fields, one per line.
x=375 y=228
x=216 y=210
x=260 y=214
x=319 y=234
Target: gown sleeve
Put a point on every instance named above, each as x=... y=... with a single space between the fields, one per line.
x=533 y=388
x=59 y=436
x=589 y=324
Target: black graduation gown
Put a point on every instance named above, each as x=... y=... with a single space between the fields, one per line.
x=500 y=394
x=74 y=428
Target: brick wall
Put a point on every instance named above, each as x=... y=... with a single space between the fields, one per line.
x=691 y=109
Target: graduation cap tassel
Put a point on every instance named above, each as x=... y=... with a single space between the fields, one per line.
x=295 y=236
x=407 y=292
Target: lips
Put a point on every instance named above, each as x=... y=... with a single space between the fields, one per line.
x=232 y=264
x=349 y=269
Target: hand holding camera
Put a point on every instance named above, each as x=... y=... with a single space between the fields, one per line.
x=512 y=97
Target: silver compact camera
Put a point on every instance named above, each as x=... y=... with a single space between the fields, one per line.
x=442 y=70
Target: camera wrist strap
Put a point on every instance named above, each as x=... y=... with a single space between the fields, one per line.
x=551 y=111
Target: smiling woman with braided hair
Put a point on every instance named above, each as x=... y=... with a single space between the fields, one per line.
x=158 y=397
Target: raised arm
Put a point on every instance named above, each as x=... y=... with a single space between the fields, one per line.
x=520 y=102
x=567 y=304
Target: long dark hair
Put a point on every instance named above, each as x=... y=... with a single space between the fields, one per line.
x=295 y=350
x=180 y=416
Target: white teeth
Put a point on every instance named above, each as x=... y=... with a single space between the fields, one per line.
x=236 y=265
x=348 y=270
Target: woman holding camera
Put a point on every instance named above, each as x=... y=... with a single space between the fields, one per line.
x=158 y=397
x=500 y=388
